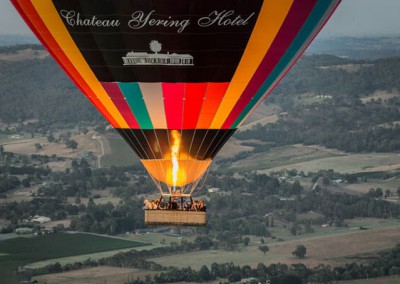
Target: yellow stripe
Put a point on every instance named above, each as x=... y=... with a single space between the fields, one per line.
x=270 y=19
x=153 y=98
x=50 y=17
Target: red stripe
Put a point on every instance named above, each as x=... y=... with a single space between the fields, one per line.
x=35 y=23
x=194 y=95
x=115 y=94
x=295 y=19
x=173 y=103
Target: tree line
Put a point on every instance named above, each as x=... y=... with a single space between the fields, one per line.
x=387 y=263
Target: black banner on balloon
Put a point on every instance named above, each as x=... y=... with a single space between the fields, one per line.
x=160 y=40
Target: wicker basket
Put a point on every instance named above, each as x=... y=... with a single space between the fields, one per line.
x=174 y=218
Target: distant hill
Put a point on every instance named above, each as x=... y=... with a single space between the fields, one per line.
x=357 y=48
x=356 y=100
x=9 y=40
x=33 y=86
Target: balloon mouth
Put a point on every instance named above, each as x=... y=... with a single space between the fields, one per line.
x=189 y=171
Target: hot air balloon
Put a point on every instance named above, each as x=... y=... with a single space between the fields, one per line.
x=176 y=78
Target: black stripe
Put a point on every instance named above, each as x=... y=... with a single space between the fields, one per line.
x=200 y=144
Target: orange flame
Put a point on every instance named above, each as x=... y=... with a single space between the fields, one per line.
x=176 y=142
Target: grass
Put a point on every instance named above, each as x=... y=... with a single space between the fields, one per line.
x=83 y=257
x=329 y=246
x=314 y=158
x=382 y=280
x=5 y=139
x=22 y=251
x=121 y=154
x=284 y=157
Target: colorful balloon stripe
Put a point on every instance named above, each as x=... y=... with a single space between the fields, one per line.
x=118 y=98
x=154 y=100
x=194 y=98
x=174 y=94
x=273 y=13
x=212 y=100
x=320 y=14
x=133 y=96
x=295 y=19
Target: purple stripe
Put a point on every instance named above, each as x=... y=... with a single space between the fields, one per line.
x=118 y=99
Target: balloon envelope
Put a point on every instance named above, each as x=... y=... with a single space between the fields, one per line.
x=176 y=78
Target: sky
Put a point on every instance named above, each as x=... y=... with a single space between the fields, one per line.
x=352 y=18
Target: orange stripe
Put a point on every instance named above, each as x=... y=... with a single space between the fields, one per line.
x=212 y=100
x=270 y=19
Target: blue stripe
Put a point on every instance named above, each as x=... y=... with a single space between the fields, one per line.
x=135 y=100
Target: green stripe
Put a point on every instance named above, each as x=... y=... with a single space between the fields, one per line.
x=316 y=15
x=135 y=100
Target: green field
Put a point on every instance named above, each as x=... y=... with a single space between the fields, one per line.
x=22 y=251
x=121 y=154
x=5 y=139
x=285 y=157
x=315 y=158
x=383 y=280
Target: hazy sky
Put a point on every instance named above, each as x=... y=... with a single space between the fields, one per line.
x=352 y=18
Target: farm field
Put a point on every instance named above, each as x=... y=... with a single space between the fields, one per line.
x=95 y=275
x=382 y=280
x=325 y=245
x=117 y=152
x=20 y=251
x=285 y=157
x=333 y=247
x=83 y=257
x=27 y=147
x=315 y=158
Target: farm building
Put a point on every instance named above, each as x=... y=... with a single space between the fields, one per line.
x=24 y=230
x=40 y=219
x=213 y=189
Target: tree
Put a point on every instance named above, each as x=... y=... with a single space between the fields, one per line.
x=77 y=199
x=300 y=251
x=155 y=46
x=51 y=138
x=70 y=143
x=263 y=248
x=38 y=147
x=204 y=273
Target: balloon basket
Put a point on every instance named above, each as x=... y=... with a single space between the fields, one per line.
x=174 y=218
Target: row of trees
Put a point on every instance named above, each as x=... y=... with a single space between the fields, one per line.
x=388 y=263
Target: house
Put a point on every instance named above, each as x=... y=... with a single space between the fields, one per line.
x=250 y=280
x=213 y=189
x=24 y=230
x=40 y=219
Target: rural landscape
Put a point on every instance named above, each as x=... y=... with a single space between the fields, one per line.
x=306 y=191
